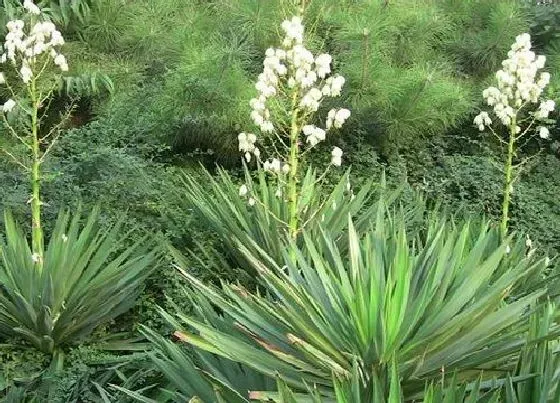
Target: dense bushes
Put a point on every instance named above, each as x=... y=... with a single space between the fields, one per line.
x=403 y=63
x=471 y=185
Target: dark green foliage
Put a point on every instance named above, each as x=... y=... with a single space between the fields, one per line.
x=471 y=185
x=535 y=208
x=98 y=174
x=545 y=21
x=109 y=163
x=21 y=366
x=86 y=376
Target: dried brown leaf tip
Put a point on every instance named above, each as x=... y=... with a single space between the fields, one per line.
x=181 y=336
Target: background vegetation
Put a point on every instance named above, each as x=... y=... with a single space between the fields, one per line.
x=163 y=85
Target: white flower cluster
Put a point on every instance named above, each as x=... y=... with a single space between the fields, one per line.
x=544 y=109
x=294 y=32
x=8 y=105
x=247 y=145
x=336 y=157
x=333 y=86
x=243 y=192
x=276 y=166
x=337 y=117
x=31 y=7
x=518 y=84
x=482 y=119
x=293 y=71
x=543 y=132
x=313 y=134
x=26 y=49
x=35 y=257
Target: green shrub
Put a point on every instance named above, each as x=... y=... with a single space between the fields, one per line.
x=436 y=300
x=263 y=226
x=545 y=21
x=96 y=165
x=471 y=185
x=85 y=281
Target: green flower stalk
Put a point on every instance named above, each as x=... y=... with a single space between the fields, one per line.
x=31 y=50
x=519 y=88
x=291 y=88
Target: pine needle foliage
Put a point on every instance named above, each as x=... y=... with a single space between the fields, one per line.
x=481 y=32
x=108 y=20
x=407 y=61
x=414 y=68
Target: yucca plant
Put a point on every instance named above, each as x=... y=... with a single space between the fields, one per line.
x=195 y=373
x=262 y=226
x=90 y=276
x=524 y=119
x=86 y=275
x=213 y=378
x=348 y=391
x=288 y=195
x=439 y=302
x=538 y=365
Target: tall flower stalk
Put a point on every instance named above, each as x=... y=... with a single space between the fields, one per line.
x=291 y=89
x=519 y=90
x=31 y=50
